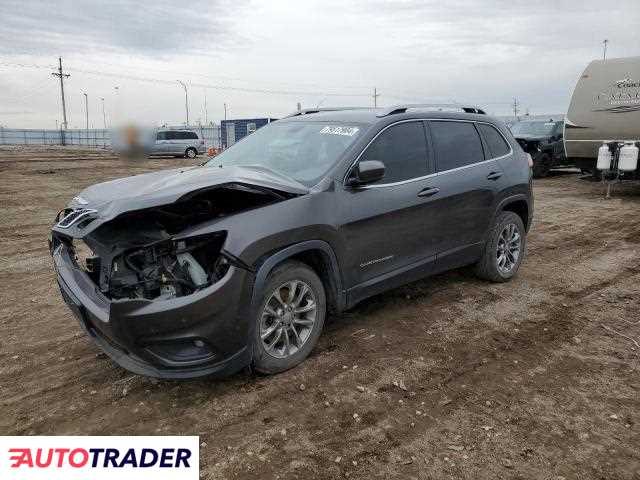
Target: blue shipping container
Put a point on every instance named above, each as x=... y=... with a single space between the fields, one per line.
x=233 y=130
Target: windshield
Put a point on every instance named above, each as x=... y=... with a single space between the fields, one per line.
x=304 y=151
x=533 y=128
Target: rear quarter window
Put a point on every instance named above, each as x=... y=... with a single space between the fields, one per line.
x=496 y=143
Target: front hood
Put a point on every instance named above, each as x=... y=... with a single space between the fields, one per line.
x=105 y=201
x=167 y=186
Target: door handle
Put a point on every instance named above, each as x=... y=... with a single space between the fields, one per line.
x=494 y=175
x=429 y=191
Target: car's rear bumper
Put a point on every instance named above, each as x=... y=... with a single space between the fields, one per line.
x=204 y=333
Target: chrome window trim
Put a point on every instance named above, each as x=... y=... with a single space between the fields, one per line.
x=435 y=174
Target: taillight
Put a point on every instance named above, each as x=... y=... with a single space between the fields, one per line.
x=529 y=160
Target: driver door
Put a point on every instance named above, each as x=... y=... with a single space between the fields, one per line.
x=387 y=225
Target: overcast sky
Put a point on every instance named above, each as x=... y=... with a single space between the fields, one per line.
x=261 y=58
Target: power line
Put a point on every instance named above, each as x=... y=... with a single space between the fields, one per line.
x=195 y=84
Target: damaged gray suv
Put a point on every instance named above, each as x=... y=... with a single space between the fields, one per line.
x=237 y=262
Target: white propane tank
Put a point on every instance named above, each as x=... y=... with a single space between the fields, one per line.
x=628 y=160
x=604 y=157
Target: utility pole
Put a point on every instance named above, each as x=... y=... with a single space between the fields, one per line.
x=375 y=97
x=86 y=109
x=186 y=99
x=62 y=76
x=104 y=117
x=515 y=108
x=206 y=119
x=604 y=49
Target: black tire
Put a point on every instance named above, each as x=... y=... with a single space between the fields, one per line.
x=541 y=166
x=263 y=360
x=190 y=153
x=487 y=268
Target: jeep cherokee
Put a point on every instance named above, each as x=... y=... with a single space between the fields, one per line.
x=208 y=269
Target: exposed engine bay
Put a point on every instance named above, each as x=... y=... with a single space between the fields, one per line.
x=142 y=255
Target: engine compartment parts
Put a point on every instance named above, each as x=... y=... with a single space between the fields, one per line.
x=166 y=269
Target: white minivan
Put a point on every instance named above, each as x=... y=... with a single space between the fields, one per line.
x=185 y=143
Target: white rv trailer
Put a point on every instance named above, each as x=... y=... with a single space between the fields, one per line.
x=605 y=107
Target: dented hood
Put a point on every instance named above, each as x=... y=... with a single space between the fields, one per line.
x=166 y=186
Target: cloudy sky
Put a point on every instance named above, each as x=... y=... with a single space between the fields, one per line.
x=262 y=57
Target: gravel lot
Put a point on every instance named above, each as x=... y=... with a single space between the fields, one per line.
x=449 y=377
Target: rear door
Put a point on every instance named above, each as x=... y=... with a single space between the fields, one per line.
x=468 y=183
x=387 y=225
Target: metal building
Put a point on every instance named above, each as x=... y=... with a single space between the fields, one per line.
x=233 y=130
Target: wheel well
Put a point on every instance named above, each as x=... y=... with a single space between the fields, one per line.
x=520 y=208
x=320 y=263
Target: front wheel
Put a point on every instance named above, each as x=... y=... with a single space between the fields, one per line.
x=191 y=153
x=504 y=250
x=290 y=318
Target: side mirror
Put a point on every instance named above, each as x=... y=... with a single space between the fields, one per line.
x=366 y=172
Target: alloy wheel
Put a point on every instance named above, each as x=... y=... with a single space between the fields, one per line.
x=288 y=318
x=508 y=250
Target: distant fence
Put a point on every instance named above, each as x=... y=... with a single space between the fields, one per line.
x=93 y=137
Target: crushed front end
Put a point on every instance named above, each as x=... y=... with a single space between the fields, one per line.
x=157 y=300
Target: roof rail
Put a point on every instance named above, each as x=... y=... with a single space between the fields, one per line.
x=308 y=111
x=440 y=107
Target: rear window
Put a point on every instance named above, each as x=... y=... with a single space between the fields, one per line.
x=496 y=142
x=456 y=144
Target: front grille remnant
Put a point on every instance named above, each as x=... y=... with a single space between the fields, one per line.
x=70 y=216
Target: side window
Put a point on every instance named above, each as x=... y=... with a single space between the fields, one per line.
x=496 y=143
x=172 y=135
x=403 y=150
x=191 y=135
x=456 y=144
x=161 y=136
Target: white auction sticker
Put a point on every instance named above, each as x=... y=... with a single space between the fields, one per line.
x=99 y=457
x=337 y=130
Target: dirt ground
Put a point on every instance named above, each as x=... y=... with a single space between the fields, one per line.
x=450 y=377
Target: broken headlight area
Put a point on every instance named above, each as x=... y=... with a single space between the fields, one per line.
x=167 y=269
x=531 y=147
x=84 y=257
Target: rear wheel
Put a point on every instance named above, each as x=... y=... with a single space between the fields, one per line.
x=504 y=250
x=191 y=153
x=289 y=319
x=541 y=166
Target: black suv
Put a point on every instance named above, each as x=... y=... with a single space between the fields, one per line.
x=543 y=140
x=236 y=262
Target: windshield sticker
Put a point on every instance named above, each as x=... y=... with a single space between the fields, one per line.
x=346 y=131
